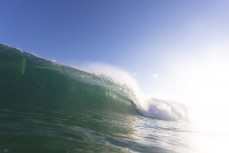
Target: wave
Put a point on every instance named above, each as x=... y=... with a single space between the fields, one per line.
x=31 y=80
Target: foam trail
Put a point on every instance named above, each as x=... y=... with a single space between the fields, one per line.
x=166 y=110
x=150 y=107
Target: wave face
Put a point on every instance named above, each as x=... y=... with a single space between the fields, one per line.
x=26 y=78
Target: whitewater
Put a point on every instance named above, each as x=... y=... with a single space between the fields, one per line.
x=49 y=107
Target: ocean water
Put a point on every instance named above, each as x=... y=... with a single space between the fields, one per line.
x=48 y=107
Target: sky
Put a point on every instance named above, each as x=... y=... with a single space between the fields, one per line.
x=174 y=48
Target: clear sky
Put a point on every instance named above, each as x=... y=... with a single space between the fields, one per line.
x=170 y=46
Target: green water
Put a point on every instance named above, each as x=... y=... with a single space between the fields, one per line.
x=47 y=107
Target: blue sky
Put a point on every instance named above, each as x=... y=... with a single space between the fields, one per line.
x=145 y=37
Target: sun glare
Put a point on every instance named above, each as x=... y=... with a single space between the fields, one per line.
x=208 y=84
x=201 y=83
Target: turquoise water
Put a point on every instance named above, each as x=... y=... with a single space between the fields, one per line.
x=47 y=107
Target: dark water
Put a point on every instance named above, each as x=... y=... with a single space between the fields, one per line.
x=47 y=107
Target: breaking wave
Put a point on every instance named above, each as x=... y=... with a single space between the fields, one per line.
x=28 y=79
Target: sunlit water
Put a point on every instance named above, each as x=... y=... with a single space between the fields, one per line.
x=106 y=132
